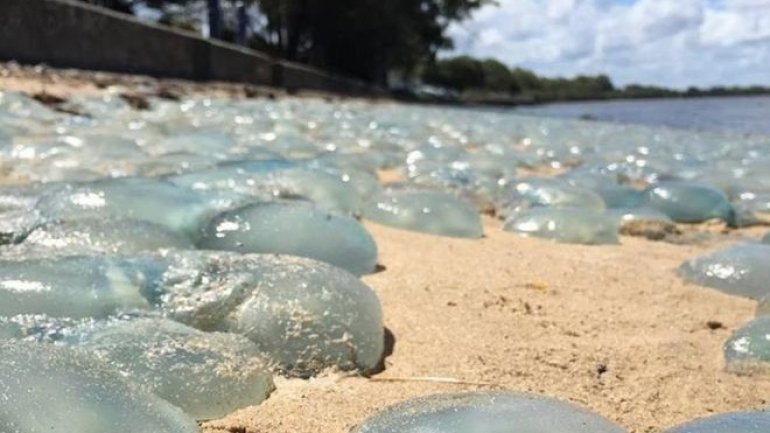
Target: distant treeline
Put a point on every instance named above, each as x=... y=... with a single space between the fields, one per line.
x=491 y=81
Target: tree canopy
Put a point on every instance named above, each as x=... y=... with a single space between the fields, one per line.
x=458 y=73
x=361 y=38
x=465 y=73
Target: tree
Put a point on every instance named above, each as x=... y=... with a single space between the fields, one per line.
x=604 y=84
x=526 y=80
x=125 y=6
x=363 y=38
x=458 y=73
x=497 y=76
x=215 y=18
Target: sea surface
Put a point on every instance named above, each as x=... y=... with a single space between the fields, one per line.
x=749 y=114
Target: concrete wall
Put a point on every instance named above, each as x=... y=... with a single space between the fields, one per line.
x=69 y=34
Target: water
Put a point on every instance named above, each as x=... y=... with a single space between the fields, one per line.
x=748 y=114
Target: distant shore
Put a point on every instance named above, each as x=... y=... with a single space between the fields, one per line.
x=515 y=102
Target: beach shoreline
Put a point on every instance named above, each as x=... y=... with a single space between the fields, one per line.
x=611 y=328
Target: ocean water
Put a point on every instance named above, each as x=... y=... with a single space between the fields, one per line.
x=746 y=114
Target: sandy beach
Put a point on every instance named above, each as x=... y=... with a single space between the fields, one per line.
x=611 y=328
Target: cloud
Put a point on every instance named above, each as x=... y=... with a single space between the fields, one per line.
x=665 y=42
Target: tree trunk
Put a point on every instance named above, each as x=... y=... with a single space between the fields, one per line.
x=215 y=19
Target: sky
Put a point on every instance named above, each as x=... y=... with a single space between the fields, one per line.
x=674 y=43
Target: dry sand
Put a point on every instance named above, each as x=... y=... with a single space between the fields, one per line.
x=65 y=82
x=611 y=328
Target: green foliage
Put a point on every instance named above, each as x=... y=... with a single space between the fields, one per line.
x=580 y=87
x=458 y=73
x=526 y=80
x=465 y=73
x=363 y=38
x=498 y=77
x=639 y=91
x=488 y=79
x=125 y=6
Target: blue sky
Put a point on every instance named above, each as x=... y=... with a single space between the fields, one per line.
x=675 y=43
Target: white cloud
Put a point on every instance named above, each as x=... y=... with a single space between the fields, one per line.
x=667 y=42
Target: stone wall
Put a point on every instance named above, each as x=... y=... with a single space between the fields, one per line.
x=69 y=34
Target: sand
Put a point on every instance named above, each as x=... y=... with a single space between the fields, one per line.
x=65 y=82
x=611 y=328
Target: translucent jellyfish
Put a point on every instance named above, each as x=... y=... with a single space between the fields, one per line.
x=101 y=106
x=21 y=105
x=123 y=236
x=174 y=163
x=293 y=228
x=425 y=211
x=625 y=215
x=453 y=176
x=53 y=171
x=293 y=145
x=620 y=197
x=5 y=136
x=22 y=197
x=364 y=181
x=486 y=412
x=17 y=210
x=10 y=330
x=737 y=422
x=357 y=161
x=645 y=222
x=748 y=349
x=276 y=179
x=249 y=153
x=744 y=217
x=36 y=148
x=179 y=209
x=568 y=225
x=16 y=224
x=742 y=270
x=96 y=148
x=303 y=314
x=40 y=327
x=46 y=388
x=763 y=307
x=545 y=192
x=754 y=203
x=689 y=202
x=208 y=375
x=69 y=287
x=487 y=164
x=207 y=142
